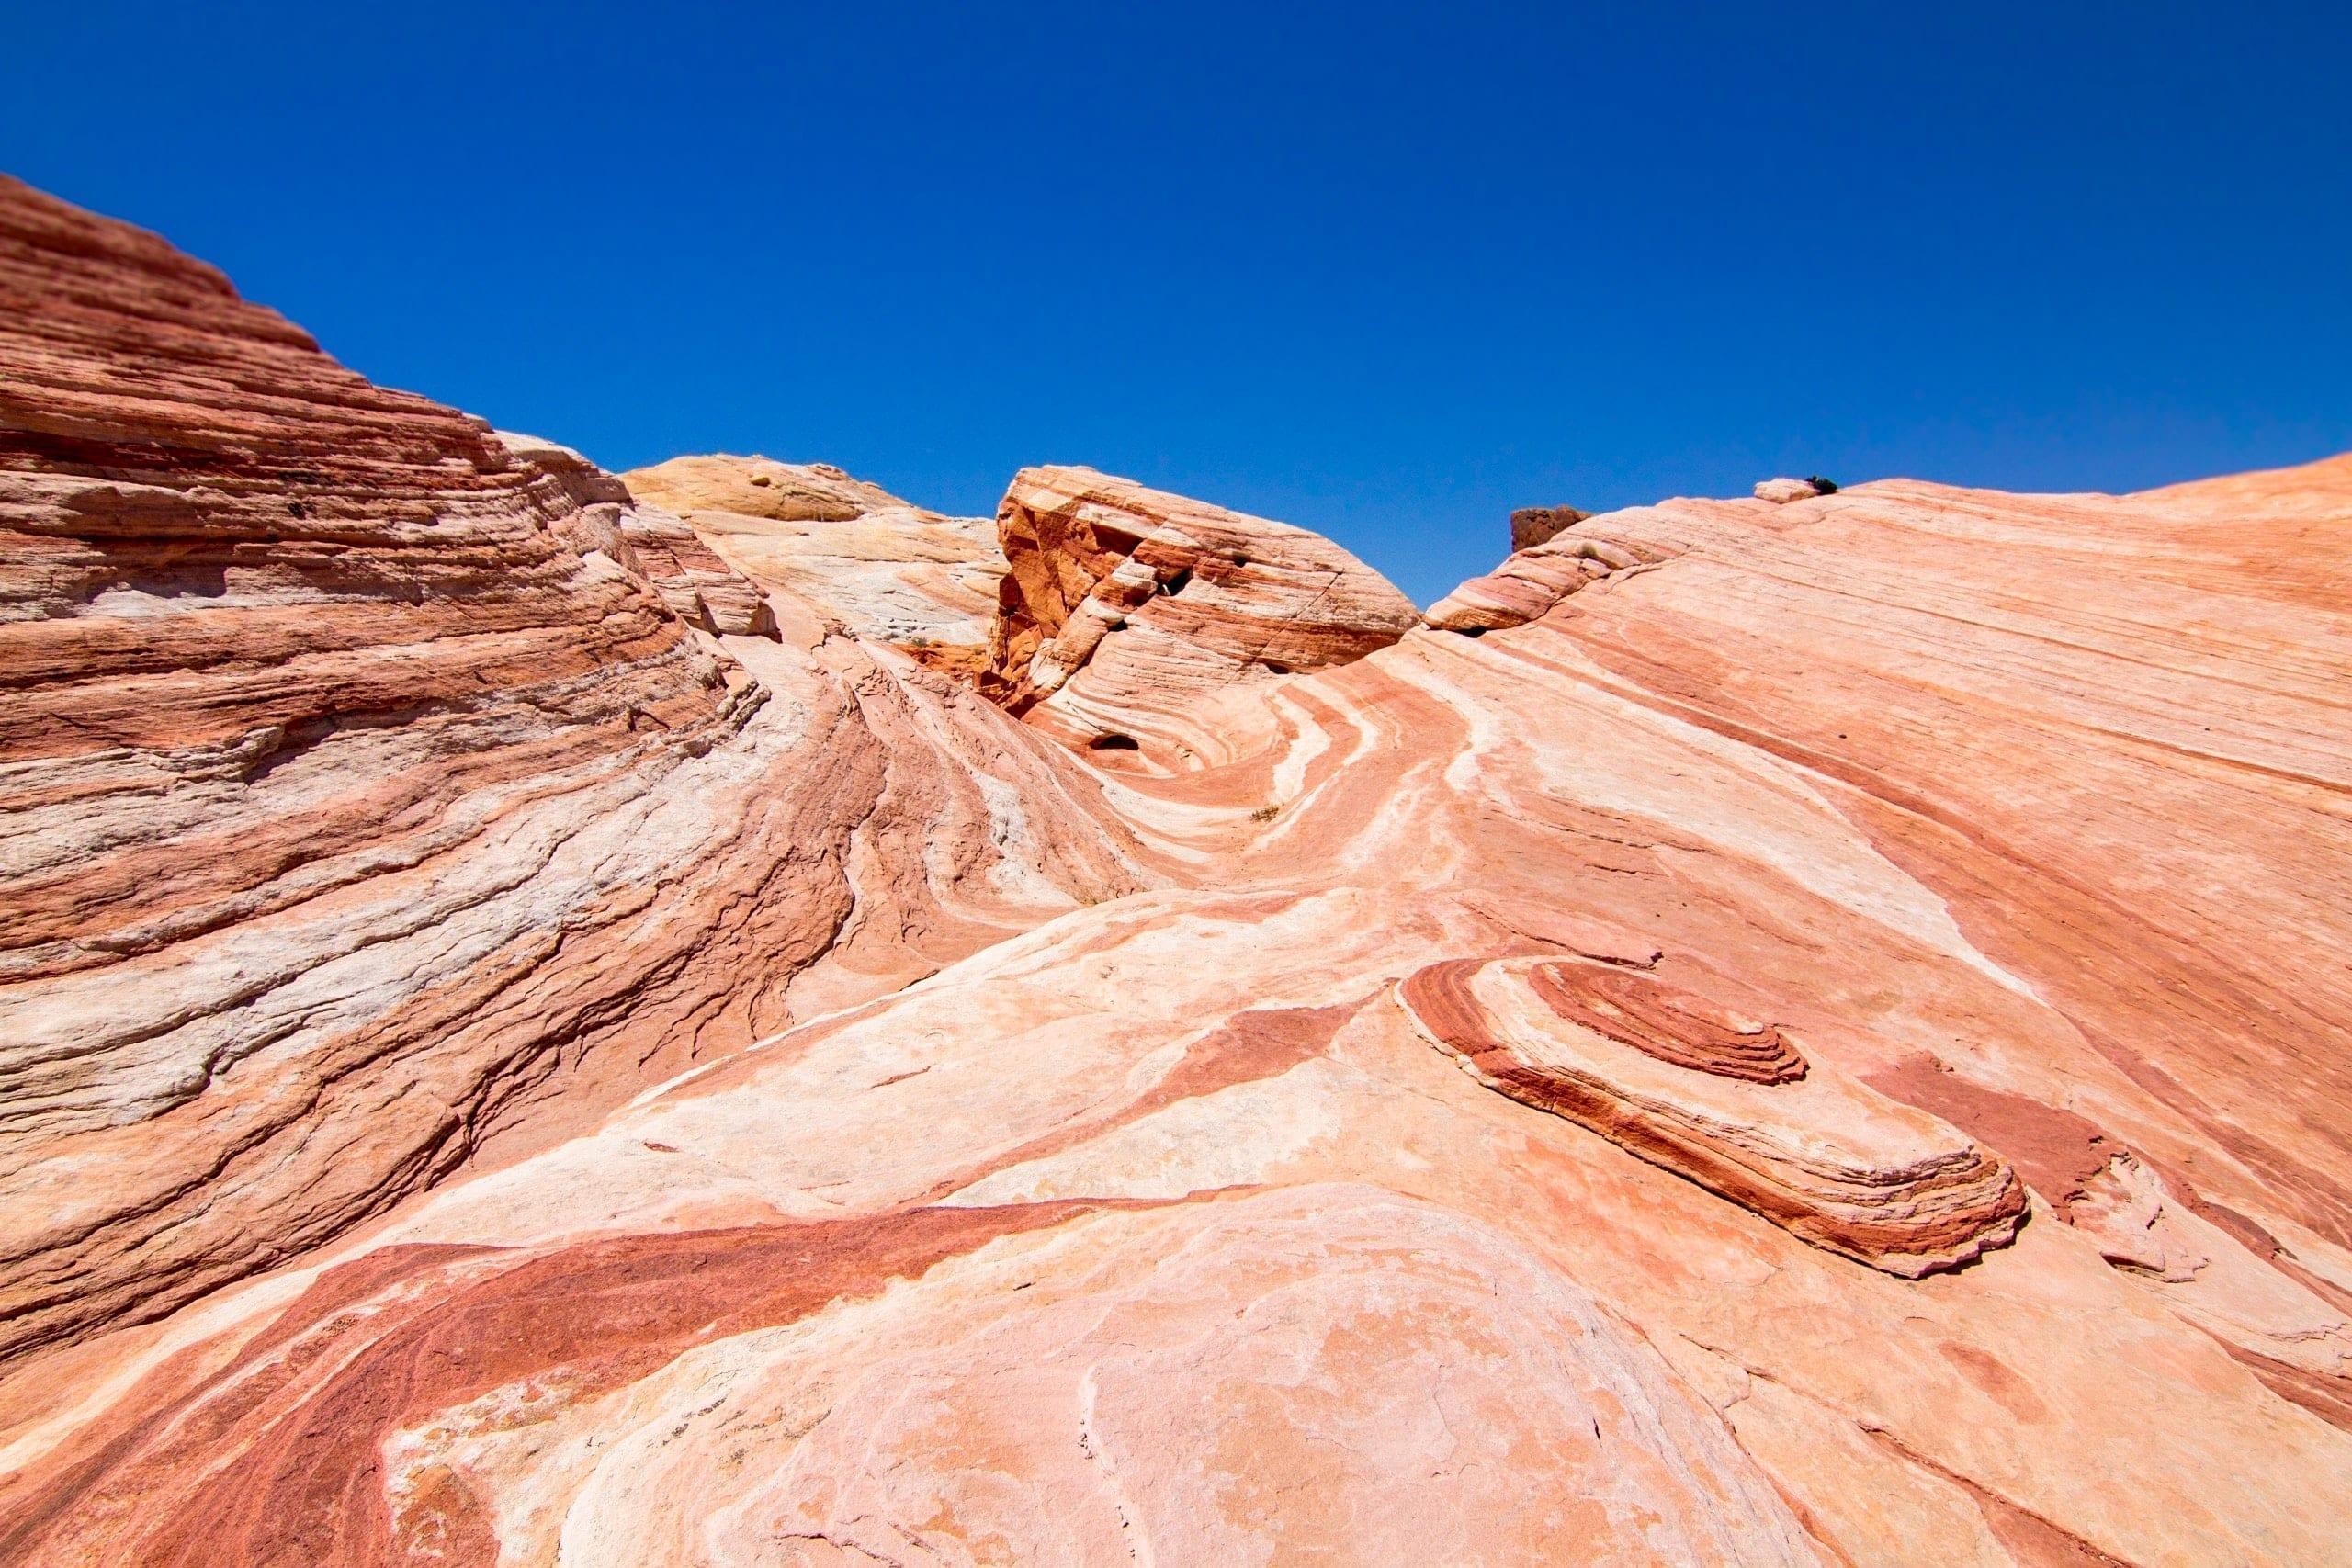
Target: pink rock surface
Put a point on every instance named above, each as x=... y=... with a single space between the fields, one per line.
x=1122 y=607
x=1727 y=1103
x=367 y=779
x=916 y=1141
x=698 y=587
x=887 y=569
x=1529 y=584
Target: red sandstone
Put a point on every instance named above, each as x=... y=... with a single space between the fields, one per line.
x=546 y=1018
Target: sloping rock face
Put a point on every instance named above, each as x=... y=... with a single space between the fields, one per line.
x=699 y=588
x=1528 y=584
x=1859 y=841
x=887 y=569
x=367 y=777
x=1122 y=606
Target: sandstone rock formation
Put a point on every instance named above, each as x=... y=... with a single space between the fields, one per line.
x=699 y=588
x=1529 y=584
x=1783 y=490
x=500 y=1071
x=368 y=778
x=1728 y=1103
x=1532 y=525
x=1122 y=607
x=888 y=571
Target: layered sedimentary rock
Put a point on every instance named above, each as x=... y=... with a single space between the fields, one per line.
x=1680 y=1028
x=1089 y=1196
x=887 y=569
x=1728 y=1103
x=367 y=778
x=652 y=545
x=1124 y=606
x=1529 y=584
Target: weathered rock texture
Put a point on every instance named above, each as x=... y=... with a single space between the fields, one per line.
x=1122 y=607
x=1528 y=583
x=886 y=569
x=1728 y=1103
x=698 y=587
x=1532 y=525
x=366 y=777
x=1866 y=840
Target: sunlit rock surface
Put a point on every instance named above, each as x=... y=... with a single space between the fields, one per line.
x=1726 y=1101
x=1123 y=607
x=884 y=568
x=1530 y=583
x=366 y=779
x=918 y=1139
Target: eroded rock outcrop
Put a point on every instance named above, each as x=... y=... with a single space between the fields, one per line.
x=1533 y=525
x=887 y=569
x=1122 y=606
x=914 y=1139
x=699 y=588
x=1528 y=584
x=1726 y=1103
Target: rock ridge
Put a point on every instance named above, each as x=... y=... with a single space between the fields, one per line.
x=368 y=778
x=1734 y=1109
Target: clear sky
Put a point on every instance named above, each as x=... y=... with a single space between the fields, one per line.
x=1384 y=272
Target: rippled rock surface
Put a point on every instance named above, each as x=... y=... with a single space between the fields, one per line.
x=527 y=1035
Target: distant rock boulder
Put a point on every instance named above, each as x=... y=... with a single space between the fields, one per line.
x=1533 y=525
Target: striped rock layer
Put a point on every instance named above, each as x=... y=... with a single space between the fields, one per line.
x=897 y=573
x=1827 y=1158
x=1122 y=606
x=501 y=1071
x=1675 y=1026
x=654 y=546
x=366 y=778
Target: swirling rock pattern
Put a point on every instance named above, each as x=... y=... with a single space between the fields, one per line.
x=366 y=778
x=503 y=1069
x=1827 y=1159
x=1667 y=1022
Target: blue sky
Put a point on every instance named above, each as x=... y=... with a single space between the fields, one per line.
x=1384 y=272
